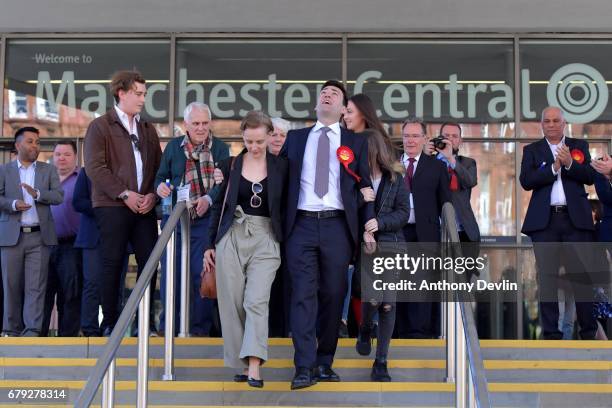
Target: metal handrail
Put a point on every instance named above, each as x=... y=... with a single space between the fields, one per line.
x=140 y=291
x=463 y=357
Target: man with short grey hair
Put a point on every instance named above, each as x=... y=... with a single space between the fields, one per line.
x=189 y=161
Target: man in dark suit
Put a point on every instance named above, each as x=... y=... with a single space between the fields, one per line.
x=122 y=155
x=27 y=190
x=556 y=169
x=321 y=228
x=603 y=186
x=428 y=183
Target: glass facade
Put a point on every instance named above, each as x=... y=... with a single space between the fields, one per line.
x=494 y=86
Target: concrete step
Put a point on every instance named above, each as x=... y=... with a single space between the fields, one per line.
x=520 y=374
x=83 y=347
x=595 y=372
x=361 y=394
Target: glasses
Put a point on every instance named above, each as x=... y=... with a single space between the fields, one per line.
x=256 y=188
x=412 y=135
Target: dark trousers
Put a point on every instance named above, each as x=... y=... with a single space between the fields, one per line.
x=200 y=310
x=318 y=255
x=548 y=261
x=119 y=226
x=65 y=280
x=280 y=301
x=1 y=299
x=416 y=320
x=90 y=304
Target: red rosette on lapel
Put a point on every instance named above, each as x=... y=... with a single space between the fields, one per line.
x=577 y=155
x=346 y=156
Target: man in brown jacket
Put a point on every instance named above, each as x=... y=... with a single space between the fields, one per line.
x=122 y=154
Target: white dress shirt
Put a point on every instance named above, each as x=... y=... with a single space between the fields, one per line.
x=27 y=176
x=308 y=200
x=406 y=162
x=132 y=129
x=557 y=195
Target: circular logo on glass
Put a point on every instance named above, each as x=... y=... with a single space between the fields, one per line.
x=580 y=91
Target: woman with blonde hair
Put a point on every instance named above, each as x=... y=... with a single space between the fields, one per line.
x=244 y=236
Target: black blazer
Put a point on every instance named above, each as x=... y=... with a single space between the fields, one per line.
x=277 y=178
x=430 y=191
x=536 y=175
x=392 y=208
x=467 y=177
x=294 y=148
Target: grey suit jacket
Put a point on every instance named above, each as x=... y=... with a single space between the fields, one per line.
x=46 y=180
x=467 y=177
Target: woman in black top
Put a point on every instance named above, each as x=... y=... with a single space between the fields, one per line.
x=245 y=247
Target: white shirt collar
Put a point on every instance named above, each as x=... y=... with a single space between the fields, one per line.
x=405 y=158
x=335 y=127
x=124 y=116
x=562 y=142
x=21 y=166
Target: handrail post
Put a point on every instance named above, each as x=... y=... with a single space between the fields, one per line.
x=471 y=403
x=185 y=274
x=169 y=310
x=451 y=337
x=108 y=387
x=143 y=349
x=460 y=362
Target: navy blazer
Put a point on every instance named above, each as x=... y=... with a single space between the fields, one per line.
x=604 y=192
x=537 y=175
x=88 y=235
x=294 y=148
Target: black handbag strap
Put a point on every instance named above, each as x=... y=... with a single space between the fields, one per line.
x=226 y=192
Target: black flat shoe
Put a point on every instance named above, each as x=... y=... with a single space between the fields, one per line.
x=380 y=372
x=241 y=378
x=324 y=373
x=364 y=341
x=255 y=383
x=303 y=378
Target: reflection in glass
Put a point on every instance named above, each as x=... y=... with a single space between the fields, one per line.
x=59 y=86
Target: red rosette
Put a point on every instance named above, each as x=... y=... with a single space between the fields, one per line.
x=346 y=156
x=577 y=155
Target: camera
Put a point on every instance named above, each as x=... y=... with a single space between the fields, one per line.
x=438 y=142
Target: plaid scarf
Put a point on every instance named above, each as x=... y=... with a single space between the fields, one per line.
x=198 y=158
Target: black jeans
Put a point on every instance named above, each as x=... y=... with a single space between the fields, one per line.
x=66 y=280
x=119 y=226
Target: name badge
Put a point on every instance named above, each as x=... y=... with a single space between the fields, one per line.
x=182 y=193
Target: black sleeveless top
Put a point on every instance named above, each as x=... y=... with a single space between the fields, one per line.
x=245 y=197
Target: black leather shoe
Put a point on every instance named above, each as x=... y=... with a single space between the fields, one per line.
x=364 y=341
x=303 y=378
x=379 y=372
x=324 y=373
x=255 y=383
x=241 y=378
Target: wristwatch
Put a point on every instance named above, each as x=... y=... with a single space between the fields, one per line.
x=124 y=196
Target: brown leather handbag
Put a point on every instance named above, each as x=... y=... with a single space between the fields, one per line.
x=208 y=283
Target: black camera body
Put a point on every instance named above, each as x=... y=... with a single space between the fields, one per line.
x=438 y=142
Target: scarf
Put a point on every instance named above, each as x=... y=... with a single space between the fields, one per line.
x=199 y=168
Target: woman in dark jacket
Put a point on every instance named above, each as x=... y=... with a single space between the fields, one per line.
x=392 y=212
x=244 y=245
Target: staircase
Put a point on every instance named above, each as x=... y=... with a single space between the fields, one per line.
x=521 y=373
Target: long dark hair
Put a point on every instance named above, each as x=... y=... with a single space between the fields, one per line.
x=379 y=153
x=366 y=107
